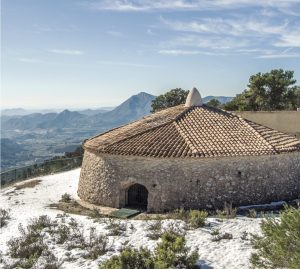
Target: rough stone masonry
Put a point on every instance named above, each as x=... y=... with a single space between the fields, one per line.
x=191 y=156
x=198 y=183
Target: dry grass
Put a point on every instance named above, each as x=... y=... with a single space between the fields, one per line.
x=73 y=207
x=29 y=184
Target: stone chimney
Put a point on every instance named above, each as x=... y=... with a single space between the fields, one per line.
x=193 y=98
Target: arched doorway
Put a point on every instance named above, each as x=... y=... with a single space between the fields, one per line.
x=137 y=196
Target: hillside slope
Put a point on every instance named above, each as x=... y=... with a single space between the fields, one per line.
x=27 y=203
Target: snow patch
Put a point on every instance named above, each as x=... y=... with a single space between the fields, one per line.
x=27 y=203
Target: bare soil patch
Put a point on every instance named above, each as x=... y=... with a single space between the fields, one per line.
x=29 y=184
x=73 y=207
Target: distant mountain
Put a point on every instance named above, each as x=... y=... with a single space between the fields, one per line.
x=26 y=122
x=91 y=112
x=23 y=112
x=13 y=112
x=221 y=99
x=135 y=107
x=64 y=119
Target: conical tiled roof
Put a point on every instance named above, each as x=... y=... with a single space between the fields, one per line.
x=195 y=131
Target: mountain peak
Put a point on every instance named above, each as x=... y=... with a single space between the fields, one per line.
x=143 y=93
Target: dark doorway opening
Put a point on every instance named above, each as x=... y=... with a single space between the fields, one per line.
x=137 y=196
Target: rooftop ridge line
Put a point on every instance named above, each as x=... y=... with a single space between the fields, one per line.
x=262 y=138
x=141 y=132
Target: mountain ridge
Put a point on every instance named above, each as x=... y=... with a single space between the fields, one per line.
x=46 y=135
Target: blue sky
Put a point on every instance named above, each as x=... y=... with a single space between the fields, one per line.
x=92 y=53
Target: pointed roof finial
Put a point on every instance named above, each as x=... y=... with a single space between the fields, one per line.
x=193 y=98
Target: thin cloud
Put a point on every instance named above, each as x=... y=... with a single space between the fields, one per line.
x=29 y=60
x=42 y=28
x=209 y=42
x=233 y=27
x=179 y=52
x=185 y=5
x=188 y=52
x=279 y=56
x=67 y=51
x=150 y=32
x=135 y=6
x=126 y=64
x=289 y=39
x=235 y=35
x=114 y=33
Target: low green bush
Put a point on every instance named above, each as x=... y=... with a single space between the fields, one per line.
x=171 y=252
x=29 y=246
x=95 y=244
x=220 y=236
x=155 y=229
x=279 y=244
x=130 y=259
x=115 y=226
x=66 y=198
x=228 y=211
x=252 y=213
x=196 y=218
x=215 y=232
x=179 y=213
x=4 y=217
x=30 y=243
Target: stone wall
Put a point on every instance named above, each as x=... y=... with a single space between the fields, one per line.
x=284 y=121
x=191 y=183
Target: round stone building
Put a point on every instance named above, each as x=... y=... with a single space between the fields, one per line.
x=192 y=156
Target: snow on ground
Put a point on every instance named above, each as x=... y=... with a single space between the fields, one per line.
x=33 y=202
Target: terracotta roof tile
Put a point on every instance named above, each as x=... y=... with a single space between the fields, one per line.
x=198 y=131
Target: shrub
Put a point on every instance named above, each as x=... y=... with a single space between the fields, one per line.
x=279 y=244
x=171 y=252
x=4 y=217
x=63 y=233
x=28 y=247
x=66 y=198
x=221 y=236
x=228 y=212
x=69 y=233
x=49 y=261
x=155 y=229
x=252 y=213
x=40 y=223
x=245 y=236
x=197 y=218
x=215 y=232
x=96 y=245
x=180 y=213
x=176 y=228
x=130 y=259
x=115 y=227
x=96 y=213
x=30 y=243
